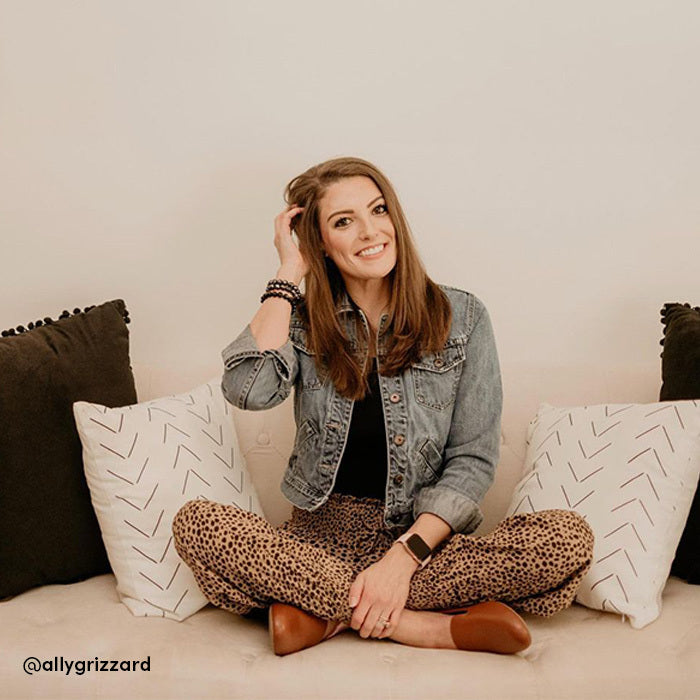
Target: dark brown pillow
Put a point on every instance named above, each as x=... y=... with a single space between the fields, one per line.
x=48 y=529
x=680 y=371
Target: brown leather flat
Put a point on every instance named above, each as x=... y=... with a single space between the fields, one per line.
x=490 y=626
x=293 y=629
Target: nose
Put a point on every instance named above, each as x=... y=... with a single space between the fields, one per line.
x=368 y=230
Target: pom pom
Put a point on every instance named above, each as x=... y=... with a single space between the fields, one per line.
x=5 y=334
x=21 y=329
x=65 y=314
x=669 y=310
x=11 y=332
x=30 y=326
x=76 y=311
x=39 y=323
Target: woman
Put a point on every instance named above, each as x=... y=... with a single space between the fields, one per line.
x=397 y=402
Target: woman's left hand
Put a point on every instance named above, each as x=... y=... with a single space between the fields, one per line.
x=381 y=590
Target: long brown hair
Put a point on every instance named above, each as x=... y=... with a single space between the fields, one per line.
x=419 y=313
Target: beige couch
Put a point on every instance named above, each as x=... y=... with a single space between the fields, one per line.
x=579 y=653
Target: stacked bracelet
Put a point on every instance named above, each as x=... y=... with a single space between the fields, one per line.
x=284 y=289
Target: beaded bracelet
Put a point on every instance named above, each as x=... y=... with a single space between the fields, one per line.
x=281 y=295
x=292 y=292
x=284 y=284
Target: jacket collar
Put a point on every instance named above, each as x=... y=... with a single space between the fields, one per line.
x=347 y=305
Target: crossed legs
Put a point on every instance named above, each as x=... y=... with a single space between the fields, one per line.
x=534 y=562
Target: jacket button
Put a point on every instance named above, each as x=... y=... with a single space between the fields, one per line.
x=439 y=362
x=399 y=439
x=394 y=398
x=398 y=479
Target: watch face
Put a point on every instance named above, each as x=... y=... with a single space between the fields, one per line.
x=418 y=546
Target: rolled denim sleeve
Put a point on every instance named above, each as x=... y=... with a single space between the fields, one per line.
x=256 y=380
x=473 y=445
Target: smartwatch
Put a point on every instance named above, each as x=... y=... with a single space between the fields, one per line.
x=416 y=546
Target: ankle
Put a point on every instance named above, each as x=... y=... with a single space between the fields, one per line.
x=424 y=628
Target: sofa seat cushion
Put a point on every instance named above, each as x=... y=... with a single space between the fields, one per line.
x=579 y=653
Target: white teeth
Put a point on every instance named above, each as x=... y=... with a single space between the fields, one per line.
x=371 y=251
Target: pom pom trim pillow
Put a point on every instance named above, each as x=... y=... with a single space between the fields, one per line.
x=142 y=463
x=680 y=370
x=631 y=471
x=680 y=366
x=48 y=529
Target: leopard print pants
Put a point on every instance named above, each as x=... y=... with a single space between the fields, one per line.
x=533 y=561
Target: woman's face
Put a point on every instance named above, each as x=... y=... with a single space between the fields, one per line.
x=353 y=218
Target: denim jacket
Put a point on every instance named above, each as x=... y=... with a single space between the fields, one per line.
x=442 y=416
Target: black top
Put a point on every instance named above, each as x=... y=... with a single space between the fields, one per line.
x=363 y=468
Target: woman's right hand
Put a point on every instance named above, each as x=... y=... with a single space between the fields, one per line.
x=292 y=262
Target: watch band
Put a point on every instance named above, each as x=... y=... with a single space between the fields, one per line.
x=416 y=546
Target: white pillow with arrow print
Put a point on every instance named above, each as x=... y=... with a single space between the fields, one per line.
x=142 y=462
x=631 y=471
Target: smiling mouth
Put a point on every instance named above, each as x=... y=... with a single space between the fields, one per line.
x=372 y=251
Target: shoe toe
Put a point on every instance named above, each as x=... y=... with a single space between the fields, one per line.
x=490 y=626
x=292 y=629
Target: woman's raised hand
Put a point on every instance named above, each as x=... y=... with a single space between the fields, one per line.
x=293 y=266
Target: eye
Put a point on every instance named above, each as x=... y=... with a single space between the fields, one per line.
x=338 y=224
x=343 y=221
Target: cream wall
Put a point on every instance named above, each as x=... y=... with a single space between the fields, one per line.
x=546 y=154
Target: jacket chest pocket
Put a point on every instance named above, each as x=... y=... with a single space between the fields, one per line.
x=302 y=459
x=435 y=377
x=310 y=381
x=305 y=436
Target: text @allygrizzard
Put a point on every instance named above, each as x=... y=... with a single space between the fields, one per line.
x=78 y=667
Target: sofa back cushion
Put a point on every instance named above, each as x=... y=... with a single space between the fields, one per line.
x=266 y=437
